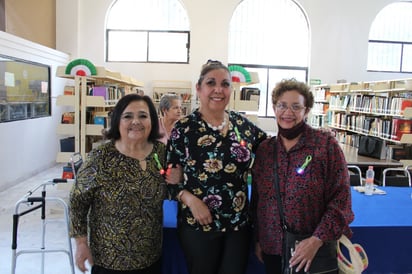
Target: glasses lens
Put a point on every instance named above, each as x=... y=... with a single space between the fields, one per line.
x=293 y=108
x=296 y=108
x=281 y=107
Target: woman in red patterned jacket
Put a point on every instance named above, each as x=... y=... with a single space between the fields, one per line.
x=316 y=200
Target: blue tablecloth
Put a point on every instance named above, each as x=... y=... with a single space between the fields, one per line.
x=382 y=225
x=388 y=210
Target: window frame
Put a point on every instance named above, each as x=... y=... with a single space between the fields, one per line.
x=390 y=27
x=266 y=100
x=401 y=70
x=28 y=96
x=148 y=32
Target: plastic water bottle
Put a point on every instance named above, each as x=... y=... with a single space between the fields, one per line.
x=370 y=175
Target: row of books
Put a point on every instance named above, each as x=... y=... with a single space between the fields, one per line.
x=392 y=129
x=348 y=138
x=186 y=97
x=110 y=93
x=317 y=121
x=370 y=104
x=321 y=94
x=320 y=108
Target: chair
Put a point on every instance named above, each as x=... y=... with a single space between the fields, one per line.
x=396 y=176
x=355 y=175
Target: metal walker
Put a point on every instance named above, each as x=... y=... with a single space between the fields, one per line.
x=39 y=202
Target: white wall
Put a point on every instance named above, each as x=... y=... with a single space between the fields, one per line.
x=30 y=146
x=209 y=22
x=339 y=31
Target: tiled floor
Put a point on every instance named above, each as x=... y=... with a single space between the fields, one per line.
x=29 y=230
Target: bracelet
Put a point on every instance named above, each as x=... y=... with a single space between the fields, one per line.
x=179 y=195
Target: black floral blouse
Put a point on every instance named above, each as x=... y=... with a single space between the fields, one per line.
x=119 y=206
x=215 y=168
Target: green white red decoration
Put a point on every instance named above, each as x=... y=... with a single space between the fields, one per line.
x=239 y=74
x=81 y=67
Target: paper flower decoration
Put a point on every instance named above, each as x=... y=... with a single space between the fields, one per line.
x=239 y=74
x=81 y=67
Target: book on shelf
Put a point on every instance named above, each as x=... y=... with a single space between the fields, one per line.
x=321 y=94
x=68 y=90
x=399 y=152
x=358 y=102
x=405 y=103
x=346 y=101
x=186 y=97
x=400 y=127
x=100 y=91
x=399 y=104
x=366 y=103
x=379 y=104
x=367 y=124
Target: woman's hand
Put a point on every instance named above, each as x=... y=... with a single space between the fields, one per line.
x=199 y=209
x=304 y=253
x=174 y=175
x=83 y=254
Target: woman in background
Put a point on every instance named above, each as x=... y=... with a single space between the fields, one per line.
x=215 y=148
x=170 y=107
x=313 y=181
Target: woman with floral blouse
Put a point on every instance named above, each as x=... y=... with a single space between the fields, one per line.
x=215 y=148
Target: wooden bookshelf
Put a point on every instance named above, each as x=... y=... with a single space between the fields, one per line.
x=182 y=88
x=82 y=101
x=318 y=117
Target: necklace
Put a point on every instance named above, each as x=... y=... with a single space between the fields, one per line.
x=219 y=127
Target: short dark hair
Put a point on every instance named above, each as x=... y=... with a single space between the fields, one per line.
x=209 y=66
x=113 y=132
x=293 y=84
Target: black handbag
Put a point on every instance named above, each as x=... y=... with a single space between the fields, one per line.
x=325 y=259
x=371 y=147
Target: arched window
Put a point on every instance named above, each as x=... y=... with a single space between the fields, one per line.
x=390 y=39
x=270 y=37
x=137 y=30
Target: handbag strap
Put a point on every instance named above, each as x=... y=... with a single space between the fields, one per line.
x=277 y=188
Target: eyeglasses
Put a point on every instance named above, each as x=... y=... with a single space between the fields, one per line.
x=282 y=107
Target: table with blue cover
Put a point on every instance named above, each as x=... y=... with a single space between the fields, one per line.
x=382 y=225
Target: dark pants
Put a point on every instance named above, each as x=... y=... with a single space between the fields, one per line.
x=155 y=268
x=215 y=252
x=273 y=265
